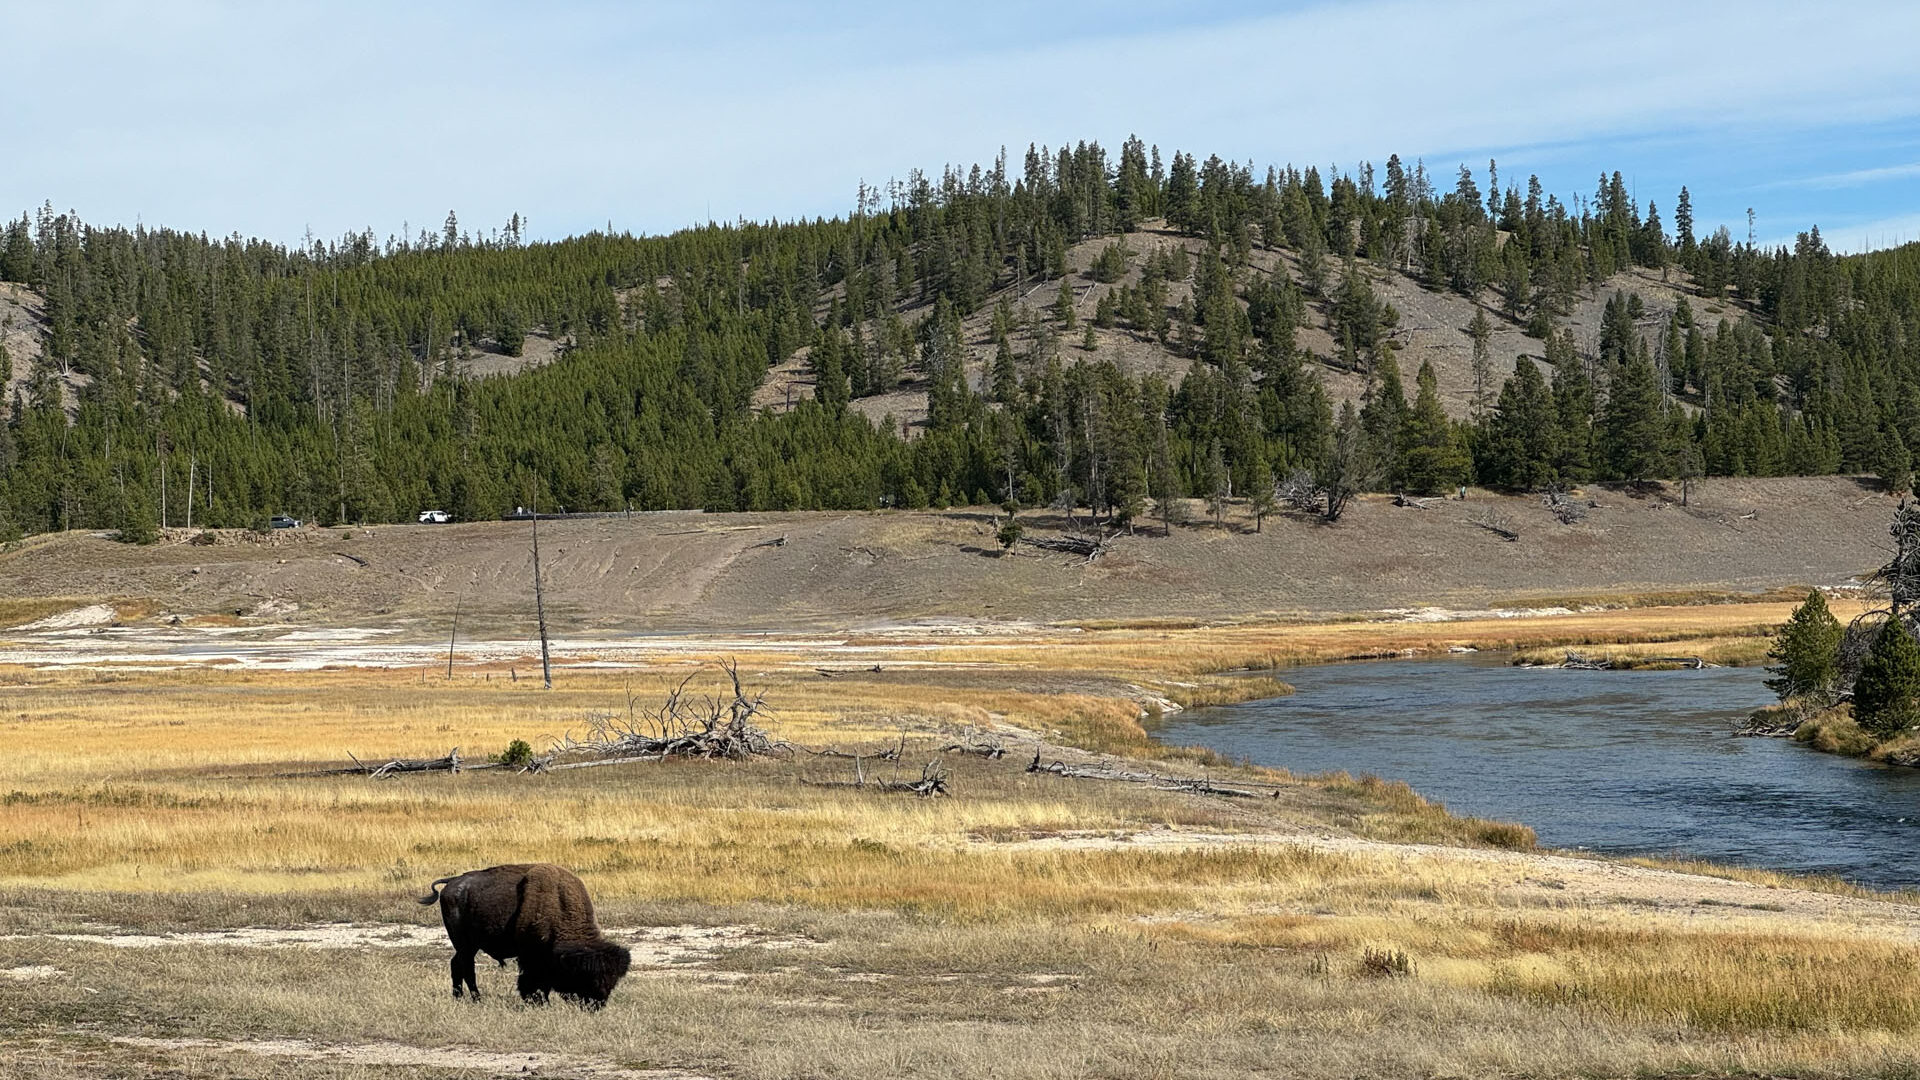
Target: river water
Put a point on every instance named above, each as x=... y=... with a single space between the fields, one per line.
x=1624 y=762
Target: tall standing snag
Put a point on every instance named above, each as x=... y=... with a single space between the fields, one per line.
x=540 y=605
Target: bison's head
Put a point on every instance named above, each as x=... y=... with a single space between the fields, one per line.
x=589 y=970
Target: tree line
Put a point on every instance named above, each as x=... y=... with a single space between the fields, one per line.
x=329 y=379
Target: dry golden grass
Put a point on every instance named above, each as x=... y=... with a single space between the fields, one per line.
x=957 y=937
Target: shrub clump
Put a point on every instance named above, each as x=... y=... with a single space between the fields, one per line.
x=517 y=755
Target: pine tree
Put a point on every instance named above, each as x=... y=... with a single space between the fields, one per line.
x=1806 y=652
x=1481 y=331
x=1006 y=376
x=1632 y=429
x=1886 y=696
x=1894 y=463
x=1522 y=436
x=1431 y=459
x=1261 y=496
x=1063 y=305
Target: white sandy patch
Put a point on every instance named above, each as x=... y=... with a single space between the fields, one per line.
x=1443 y=615
x=91 y=615
x=31 y=971
x=653 y=946
x=387 y=1055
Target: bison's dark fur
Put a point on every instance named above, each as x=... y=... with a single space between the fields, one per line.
x=540 y=915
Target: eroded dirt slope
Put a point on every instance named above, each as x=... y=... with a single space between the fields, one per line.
x=668 y=572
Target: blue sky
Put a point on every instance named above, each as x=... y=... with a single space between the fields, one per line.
x=272 y=119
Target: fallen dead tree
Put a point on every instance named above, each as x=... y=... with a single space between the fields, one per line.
x=1563 y=508
x=452 y=762
x=1087 y=547
x=682 y=726
x=992 y=751
x=931 y=783
x=1497 y=524
x=1193 y=785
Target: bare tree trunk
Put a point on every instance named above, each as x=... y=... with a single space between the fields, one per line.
x=454 y=633
x=540 y=604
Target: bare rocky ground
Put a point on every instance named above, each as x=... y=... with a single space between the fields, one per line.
x=667 y=573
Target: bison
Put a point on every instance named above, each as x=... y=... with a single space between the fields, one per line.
x=537 y=913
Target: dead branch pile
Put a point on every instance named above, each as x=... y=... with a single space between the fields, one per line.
x=682 y=726
x=932 y=781
x=1563 y=508
x=1497 y=524
x=451 y=763
x=1300 y=492
x=1088 y=547
x=1403 y=499
x=1577 y=662
x=1194 y=785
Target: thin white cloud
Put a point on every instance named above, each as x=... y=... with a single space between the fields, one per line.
x=267 y=119
x=1853 y=178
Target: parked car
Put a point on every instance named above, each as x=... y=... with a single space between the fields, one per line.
x=282 y=521
x=435 y=517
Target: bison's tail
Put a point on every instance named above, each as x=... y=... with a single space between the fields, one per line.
x=433 y=891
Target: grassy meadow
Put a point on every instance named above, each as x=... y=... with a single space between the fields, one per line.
x=1030 y=926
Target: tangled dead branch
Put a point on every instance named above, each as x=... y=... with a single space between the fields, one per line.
x=1193 y=785
x=682 y=726
x=1564 y=509
x=932 y=782
x=1497 y=524
x=1300 y=491
x=1088 y=547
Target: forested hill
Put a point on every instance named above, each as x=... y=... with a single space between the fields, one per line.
x=339 y=381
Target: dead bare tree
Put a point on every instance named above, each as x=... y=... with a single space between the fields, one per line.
x=1088 y=547
x=1496 y=523
x=540 y=605
x=1194 y=785
x=1564 y=509
x=1299 y=491
x=683 y=725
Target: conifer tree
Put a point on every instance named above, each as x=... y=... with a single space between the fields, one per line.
x=1806 y=652
x=1521 y=443
x=1632 y=428
x=1886 y=696
x=1431 y=458
x=1481 y=332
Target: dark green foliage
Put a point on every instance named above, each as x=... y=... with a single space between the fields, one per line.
x=137 y=523
x=1633 y=432
x=1010 y=532
x=1520 y=445
x=1431 y=457
x=1806 y=652
x=517 y=755
x=331 y=380
x=1886 y=696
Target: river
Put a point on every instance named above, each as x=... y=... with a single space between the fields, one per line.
x=1624 y=762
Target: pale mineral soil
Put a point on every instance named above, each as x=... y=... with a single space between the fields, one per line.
x=731 y=573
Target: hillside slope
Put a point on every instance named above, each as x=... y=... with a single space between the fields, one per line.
x=1432 y=328
x=669 y=572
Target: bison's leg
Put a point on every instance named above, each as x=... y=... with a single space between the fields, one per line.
x=463 y=973
x=535 y=984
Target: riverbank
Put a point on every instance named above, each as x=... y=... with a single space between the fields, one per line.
x=1032 y=925
x=1833 y=730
